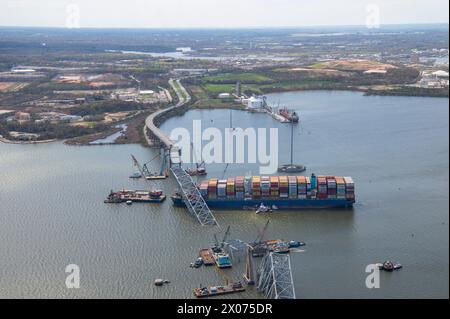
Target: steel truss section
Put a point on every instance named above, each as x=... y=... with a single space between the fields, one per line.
x=274 y=277
x=192 y=198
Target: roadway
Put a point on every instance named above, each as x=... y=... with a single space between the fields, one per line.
x=183 y=98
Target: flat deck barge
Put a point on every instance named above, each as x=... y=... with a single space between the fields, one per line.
x=135 y=196
x=207 y=256
x=212 y=291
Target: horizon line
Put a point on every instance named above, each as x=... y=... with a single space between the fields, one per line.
x=231 y=27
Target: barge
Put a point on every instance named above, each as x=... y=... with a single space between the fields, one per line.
x=135 y=196
x=211 y=291
x=221 y=258
x=277 y=246
x=207 y=256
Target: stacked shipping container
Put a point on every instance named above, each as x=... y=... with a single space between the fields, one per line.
x=222 y=188
x=204 y=188
x=301 y=182
x=212 y=188
x=248 y=186
x=292 y=187
x=231 y=187
x=239 y=187
x=292 y=180
x=265 y=186
x=322 y=187
x=274 y=186
x=349 y=188
x=308 y=188
x=284 y=187
x=340 y=187
x=331 y=185
x=256 y=186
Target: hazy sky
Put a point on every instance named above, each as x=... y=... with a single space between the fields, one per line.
x=216 y=13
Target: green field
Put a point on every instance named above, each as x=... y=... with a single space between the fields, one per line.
x=220 y=88
x=232 y=78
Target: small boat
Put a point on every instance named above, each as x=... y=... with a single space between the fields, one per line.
x=198 y=262
x=263 y=209
x=136 y=175
x=159 y=282
x=129 y=202
x=296 y=243
x=389 y=266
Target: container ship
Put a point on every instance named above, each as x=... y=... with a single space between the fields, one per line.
x=276 y=192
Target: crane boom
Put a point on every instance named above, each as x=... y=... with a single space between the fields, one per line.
x=225 y=236
x=138 y=165
x=261 y=235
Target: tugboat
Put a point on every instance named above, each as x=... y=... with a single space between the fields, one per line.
x=198 y=263
x=199 y=171
x=280 y=248
x=263 y=209
x=155 y=193
x=113 y=198
x=295 y=244
x=290 y=116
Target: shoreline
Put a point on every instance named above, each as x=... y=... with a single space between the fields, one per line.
x=167 y=114
x=365 y=91
x=6 y=141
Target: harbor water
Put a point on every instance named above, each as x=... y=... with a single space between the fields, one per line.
x=396 y=148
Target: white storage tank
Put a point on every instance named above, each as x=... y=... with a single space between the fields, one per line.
x=255 y=102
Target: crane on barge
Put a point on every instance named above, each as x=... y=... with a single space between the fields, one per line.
x=145 y=172
x=200 y=169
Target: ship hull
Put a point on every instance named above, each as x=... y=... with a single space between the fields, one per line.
x=281 y=204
